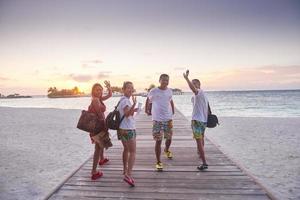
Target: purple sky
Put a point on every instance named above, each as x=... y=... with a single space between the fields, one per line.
x=47 y=43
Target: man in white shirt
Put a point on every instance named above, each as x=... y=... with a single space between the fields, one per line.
x=199 y=116
x=162 y=114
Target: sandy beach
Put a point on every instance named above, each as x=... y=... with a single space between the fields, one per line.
x=268 y=148
x=41 y=147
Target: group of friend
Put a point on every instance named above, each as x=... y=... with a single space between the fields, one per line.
x=160 y=106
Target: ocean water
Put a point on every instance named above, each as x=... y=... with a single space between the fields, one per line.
x=248 y=103
x=280 y=103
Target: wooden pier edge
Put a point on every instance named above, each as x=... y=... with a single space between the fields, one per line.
x=69 y=176
x=244 y=171
x=66 y=179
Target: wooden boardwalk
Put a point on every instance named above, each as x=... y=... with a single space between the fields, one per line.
x=179 y=180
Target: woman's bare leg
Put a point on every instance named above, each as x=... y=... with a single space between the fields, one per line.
x=132 y=152
x=101 y=153
x=125 y=157
x=96 y=158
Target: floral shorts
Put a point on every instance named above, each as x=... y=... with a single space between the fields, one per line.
x=126 y=135
x=198 y=129
x=162 y=129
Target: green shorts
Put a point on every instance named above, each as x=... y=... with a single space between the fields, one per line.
x=198 y=129
x=162 y=129
x=126 y=135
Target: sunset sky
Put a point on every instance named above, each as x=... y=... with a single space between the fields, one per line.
x=228 y=45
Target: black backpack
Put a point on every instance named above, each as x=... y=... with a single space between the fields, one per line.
x=212 y=120
x=114 y=119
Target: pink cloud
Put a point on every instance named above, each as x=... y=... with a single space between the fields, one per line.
x=267 y=77
x=103 y=75
x=3 y=78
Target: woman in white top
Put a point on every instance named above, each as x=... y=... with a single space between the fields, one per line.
x=126 y=132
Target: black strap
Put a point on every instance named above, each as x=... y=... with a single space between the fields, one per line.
x=117 y=105
x=116 y=109
x=122 y=118
x=209 y=110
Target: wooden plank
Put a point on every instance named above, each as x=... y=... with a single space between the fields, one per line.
x=179 y=180
x=195 y=184
x=93 y=190
x=68 y=195
x=168 y=176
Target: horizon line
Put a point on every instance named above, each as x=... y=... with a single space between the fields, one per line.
x=238 y=90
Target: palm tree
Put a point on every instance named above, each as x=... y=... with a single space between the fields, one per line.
x=75 y=90
x=50 y=90
x=150 y=87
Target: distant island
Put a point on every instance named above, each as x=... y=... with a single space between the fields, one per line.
x=13 y=96
x=175 y=91
x=53 y=92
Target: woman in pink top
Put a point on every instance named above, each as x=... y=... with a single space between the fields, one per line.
x=97 y=106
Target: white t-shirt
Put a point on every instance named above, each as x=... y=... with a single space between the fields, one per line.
x=161 y=107
x=200 y=106
x=128 y=123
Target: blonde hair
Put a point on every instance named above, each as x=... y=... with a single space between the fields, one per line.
x=94 y=87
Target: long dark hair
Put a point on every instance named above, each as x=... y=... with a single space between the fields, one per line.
x=93 y=88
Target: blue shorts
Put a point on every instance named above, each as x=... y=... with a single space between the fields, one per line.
x=198 y=129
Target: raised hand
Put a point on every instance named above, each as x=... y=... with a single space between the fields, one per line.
x=107 y=84
x=186 y=74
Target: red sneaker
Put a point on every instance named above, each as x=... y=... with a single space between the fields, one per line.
x=97 y=175
x=129 y=180
x=102 y=162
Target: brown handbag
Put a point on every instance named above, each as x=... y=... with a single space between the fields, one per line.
x=90 y=122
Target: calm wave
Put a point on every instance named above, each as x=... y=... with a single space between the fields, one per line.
x=283 y=103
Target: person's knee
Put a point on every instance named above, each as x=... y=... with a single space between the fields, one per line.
x=126 y=149
x=202 y=139
x=169 y=140
x=132 y=150
x=198 y=141
x=201 y=144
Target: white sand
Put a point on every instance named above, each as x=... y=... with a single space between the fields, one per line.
x=39 y=148
x=268 y=148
